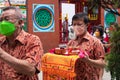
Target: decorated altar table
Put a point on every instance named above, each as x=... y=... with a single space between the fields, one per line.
x=58 y=67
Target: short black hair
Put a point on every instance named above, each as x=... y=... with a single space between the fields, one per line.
x=114 y=23
x=81 y=15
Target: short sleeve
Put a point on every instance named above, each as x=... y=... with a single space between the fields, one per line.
x=99 y=51
x=34 y=52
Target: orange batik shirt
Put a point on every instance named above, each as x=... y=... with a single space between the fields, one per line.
x=28 y=47
x=95 y=48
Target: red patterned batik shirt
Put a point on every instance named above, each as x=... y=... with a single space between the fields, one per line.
x=95 y=48
x=27 y=47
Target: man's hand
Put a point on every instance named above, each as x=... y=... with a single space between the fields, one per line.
x=21 y=66
x=84 y=56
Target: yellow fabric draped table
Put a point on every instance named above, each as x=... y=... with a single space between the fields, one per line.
x=58 y=67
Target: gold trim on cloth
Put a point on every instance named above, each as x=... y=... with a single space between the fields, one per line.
x=58 y=65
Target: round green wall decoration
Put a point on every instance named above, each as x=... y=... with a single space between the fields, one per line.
x=43 y=18
x=109 y=18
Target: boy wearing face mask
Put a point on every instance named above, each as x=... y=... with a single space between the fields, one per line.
x=20 y=52
x=89 y=67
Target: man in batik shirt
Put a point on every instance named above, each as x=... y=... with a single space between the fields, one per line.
x=89 y=67
x=20 y=52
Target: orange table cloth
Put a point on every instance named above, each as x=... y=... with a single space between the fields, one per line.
x=58 y=67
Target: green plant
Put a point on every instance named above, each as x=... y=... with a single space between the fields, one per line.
x=113 y=59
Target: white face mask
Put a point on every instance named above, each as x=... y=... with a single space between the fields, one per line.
x=72 y=36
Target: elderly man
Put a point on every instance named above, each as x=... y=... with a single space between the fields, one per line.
x=20 y=52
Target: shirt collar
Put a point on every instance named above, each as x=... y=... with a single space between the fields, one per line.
x=20 y=38
x=86 y=36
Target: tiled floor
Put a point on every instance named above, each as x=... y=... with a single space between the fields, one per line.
x=106 y=76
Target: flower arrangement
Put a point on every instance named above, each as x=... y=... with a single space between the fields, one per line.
x=68 y=51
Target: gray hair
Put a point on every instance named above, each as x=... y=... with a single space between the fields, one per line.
x=17 y=11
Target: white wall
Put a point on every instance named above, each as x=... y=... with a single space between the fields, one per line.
x=69 y=10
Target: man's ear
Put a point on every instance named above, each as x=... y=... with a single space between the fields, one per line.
x=20 y=22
